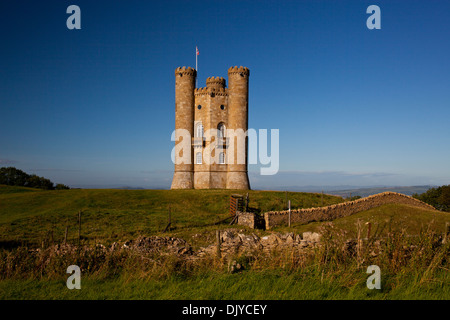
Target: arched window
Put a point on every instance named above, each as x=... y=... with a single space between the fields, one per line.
x=199 y=130
x=222 y=158
x=221 y=130
x=198 y=158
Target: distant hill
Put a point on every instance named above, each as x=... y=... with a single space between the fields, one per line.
x=345 y=190
x=364 y=192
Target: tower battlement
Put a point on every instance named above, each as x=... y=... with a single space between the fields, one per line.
x=188 y=71
x=213 y=82
x=240 y=70
x=217 y=108
x=208 y=90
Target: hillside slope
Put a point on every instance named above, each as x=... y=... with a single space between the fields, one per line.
x=383 y=219
x=111 y=215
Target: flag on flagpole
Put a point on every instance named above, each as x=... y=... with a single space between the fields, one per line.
x=196 y=51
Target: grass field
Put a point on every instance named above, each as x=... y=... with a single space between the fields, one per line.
x=384 y=219
x=413 y=267
x=29 y=215
x=270 y=285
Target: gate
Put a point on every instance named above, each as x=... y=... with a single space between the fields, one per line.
x=236 y=204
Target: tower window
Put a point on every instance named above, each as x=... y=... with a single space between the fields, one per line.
x=199 y=130
x=198 y=158
x=222 y=107
x=221 y=158
x=221 y=130
x=199 y=107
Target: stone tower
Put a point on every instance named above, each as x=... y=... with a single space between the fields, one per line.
x=218 y=159
x=184 y=119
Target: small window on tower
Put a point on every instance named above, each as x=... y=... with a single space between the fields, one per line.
x=199 y=107
x=221 y=130
x=198 y=158
x=199 y=130
x=221 y=158
x=222 y=107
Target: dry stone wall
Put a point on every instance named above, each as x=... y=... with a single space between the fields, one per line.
x=246 y=219
x=276 y=218
x=233 y=243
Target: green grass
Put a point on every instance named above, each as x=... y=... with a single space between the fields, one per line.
x=389 y=217
x=115 y=215
x=253 y=285
x=29 y=216
x=10 y=189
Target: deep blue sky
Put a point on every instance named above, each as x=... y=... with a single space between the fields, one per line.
x=95 y=107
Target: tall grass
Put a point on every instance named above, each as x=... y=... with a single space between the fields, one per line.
x=337 y=266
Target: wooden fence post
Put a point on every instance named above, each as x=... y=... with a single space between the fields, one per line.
x=286 y=200
x=65 y=235
x=79 y=227
x=289 y=206
x=170 y=221
x=369 y=227
x=170 y=217
x=247 y=200
x=447 y=232
x=218 y=243
x=359 y=242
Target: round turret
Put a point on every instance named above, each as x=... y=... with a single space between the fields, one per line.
x=216 y=83
x=180 y=71
x=243 y=71
x=238 y=121
x=184 y=119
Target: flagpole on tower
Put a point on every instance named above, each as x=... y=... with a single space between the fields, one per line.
x=196 y=64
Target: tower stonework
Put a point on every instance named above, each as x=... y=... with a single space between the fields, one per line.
x=208 y=114
x=184 y=117
x=237 y=177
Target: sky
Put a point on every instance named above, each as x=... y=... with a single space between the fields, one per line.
x=95 y=107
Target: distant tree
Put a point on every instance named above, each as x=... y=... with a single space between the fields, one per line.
x=444 y=198
x=353 y=198
x=61 y=186
x=14 y=177
x=35 y=181
x=437 y=197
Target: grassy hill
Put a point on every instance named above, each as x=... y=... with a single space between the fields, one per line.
x=30 y=215
x=384 y=219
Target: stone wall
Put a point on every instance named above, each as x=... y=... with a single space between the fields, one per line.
x=234 y=243
x=275 y=218
x=246 y=219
